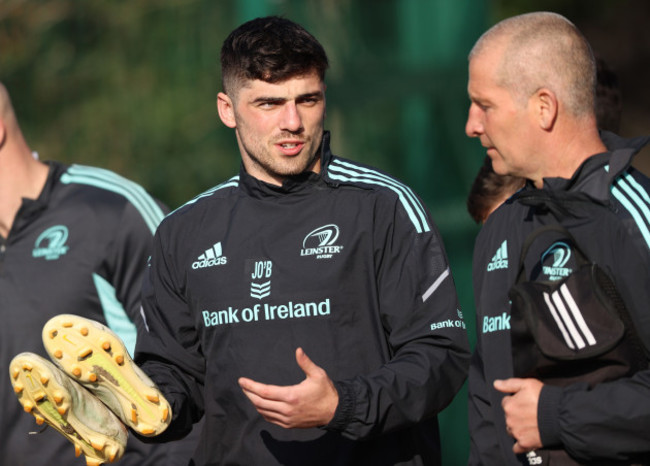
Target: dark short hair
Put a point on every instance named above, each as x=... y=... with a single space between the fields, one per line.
x=270 y=49
x=489 y=190
x=609 y=106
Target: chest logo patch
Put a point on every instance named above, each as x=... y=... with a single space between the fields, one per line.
x=50 y=244
x=321 y=242
x=559 y=253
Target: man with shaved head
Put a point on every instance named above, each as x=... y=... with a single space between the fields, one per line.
x=532 y=82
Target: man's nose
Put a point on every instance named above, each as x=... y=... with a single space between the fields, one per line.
x=291 y=119
x=474 y=125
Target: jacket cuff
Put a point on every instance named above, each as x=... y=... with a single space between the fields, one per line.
x=548 y=420
x=345 y=409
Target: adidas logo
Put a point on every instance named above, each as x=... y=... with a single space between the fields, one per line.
x=500 y=259
x=533 y=459
x=211 y=257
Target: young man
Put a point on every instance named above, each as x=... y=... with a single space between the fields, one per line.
x=308 y=291
x=72 y=239
x=305 y=307
x=531 y=86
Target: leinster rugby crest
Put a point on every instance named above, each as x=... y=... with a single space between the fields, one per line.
x=321 y=243
x=51 y=244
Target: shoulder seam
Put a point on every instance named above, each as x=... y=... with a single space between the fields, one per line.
x=635 y=200
x=346 y=171
x=108 y=180
x=233 y=182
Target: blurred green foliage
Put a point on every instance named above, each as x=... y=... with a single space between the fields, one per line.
x=132 y=86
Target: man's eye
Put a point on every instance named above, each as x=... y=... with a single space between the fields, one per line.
x=481 y=105
x=309 y=101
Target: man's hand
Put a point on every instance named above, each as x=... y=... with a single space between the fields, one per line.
x=311 y=403
x=521 y=411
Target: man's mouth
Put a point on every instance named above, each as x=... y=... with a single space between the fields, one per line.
x=290 y=148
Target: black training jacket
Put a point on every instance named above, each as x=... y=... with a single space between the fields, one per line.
x=610 y=422
x=81 y=248
x=346 y=264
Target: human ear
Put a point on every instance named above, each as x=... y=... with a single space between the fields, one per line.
x=546 y=106
x=3 y=133
x=226 y=110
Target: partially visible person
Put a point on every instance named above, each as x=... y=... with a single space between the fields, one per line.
x=532 y=81
x=489 y=190
x=609 y=104
x=72 y=239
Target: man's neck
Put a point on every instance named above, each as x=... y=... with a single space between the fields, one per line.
x=569 y=152
x=21 y=176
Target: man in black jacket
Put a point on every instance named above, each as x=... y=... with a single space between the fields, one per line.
x=305 y=307
x=531 y=86
x=72 y=239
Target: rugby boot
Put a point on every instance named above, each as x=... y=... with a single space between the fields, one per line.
x=94 y=356
x=53 y=398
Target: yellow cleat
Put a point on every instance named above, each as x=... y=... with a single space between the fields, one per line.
x=95 y=357
x=54 y=398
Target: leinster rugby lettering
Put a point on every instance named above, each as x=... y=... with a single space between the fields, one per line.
x=320 y=243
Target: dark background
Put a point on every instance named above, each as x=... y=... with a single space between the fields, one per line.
x=132 y=85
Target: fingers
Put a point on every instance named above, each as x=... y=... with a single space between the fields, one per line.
x=307 y=365
x=261 y=390
x=310 y=403
x=518 y=449
x=272 y=411
x=261 y=403
x=512 y=385
x=268 y=400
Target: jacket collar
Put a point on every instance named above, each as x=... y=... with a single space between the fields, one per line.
x=31 y=208
x=596 y=174
x=293 y=184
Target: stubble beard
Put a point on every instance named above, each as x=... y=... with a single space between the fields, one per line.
x=261 y=157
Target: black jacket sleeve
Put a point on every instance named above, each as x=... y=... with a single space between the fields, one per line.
x=611 y=420
x=424 y=329
x=131 y=225
x=168 y=347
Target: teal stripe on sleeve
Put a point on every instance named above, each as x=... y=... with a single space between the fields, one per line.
x=632 y=208
x=344 y=171
x=114 y=312
x=232 y=182
x=110 y=181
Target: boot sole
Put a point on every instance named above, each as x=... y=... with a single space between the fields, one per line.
x=41 y=395
x=94 y=356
